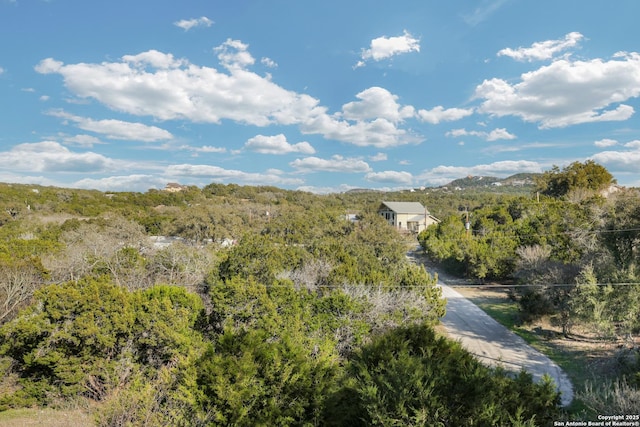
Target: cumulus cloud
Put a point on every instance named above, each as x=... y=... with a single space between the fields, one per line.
x=440 y=114
x=622 y=160
x=51 y=156
x=1 y=71
x=336 y=163
x=377 y=102
x=218 y=174
x=567 y=92
x=158 y=85
x=155 y=59
x=543 y=50
x=161 y=86
x=378 y=157
x=633 y=144
x=494 y=135
x=380 y=132
x=117 y=129
x=277 y=144
x=268 y=62
x=234 y=55
x=387 y=47
x=187 y=24
x=393 y=177
x=606 y=142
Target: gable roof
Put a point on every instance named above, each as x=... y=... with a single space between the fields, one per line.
x=405 y=207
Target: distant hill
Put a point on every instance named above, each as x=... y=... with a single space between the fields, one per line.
x=519 y=180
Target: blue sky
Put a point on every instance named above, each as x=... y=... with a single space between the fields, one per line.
x=319 y=96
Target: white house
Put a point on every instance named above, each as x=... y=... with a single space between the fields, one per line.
x=408 y=216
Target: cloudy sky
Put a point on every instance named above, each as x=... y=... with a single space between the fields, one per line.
x=315 y=95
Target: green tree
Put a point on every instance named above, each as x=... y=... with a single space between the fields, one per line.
x=255 y=379
x=588 y=175
x=622 y=230
x=71 y=333
x=411 y=377
x=91 y=337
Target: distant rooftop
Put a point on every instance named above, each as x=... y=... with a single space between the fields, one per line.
x=406 y=207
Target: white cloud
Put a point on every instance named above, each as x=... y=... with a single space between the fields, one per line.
x=335 y=164
x=158 y=85
x=206 y=149
x=117 y=129
x=218 y=174
x=440 y=114
x=154 y=58
x=268 y=62
x=277 y=144
x=567 y=92
x=394 y=177
x=170 y=89
x=543 y=50
x=48 y=66
x=81 y=140
x=378 y=157
x=187 y=24
x=494 y=135
x=633 y=144
x=1 y=71
x=606 y=142
x=387 y=47
x=622 y=160
x=234 y=55
x=380 y=133
x=50 y=156
x=376 y=102
x=134 y=182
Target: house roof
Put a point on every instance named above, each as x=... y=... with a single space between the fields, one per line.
x=405 y=207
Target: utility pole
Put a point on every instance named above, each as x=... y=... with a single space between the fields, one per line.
x=467 y=223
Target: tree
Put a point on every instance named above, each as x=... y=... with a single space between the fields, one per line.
x=91 y=337
x=592 y=303
x=253 y=379
x=411 y=377
x=588 y=175
x=19 y=279
x=107 y=246
x=622 y=230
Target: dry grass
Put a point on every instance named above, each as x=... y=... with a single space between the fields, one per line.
x=46 y=417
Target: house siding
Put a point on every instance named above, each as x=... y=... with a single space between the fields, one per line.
x=407 y=216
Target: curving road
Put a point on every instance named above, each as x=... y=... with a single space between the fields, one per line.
x=491 y=342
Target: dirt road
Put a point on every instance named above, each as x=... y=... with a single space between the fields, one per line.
x=491 y=342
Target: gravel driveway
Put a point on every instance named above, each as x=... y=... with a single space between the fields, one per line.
x=491 y=342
